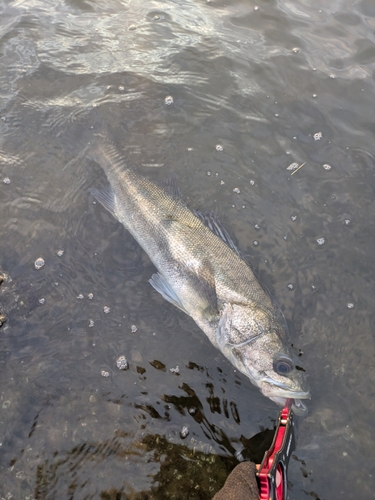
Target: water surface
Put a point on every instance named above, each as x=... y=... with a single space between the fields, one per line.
x=255 y=88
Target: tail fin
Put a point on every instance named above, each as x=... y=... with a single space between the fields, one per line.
x=103 y=150
x=108 y=157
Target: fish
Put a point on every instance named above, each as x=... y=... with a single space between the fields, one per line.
x=201 y=271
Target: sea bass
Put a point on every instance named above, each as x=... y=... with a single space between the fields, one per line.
x=201 y=272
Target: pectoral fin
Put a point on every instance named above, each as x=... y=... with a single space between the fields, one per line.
x=162 y=286
x=196 y=297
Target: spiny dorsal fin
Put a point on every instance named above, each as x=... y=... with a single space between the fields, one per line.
x=170 y=185
x=210 y=220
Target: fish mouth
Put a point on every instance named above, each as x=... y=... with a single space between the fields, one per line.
x=279 y=393
x=298 y=407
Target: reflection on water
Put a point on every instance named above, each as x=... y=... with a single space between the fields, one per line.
x=186 y=471
x=227 y=96
x=183 y=472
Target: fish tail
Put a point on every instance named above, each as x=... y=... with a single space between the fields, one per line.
x=108 y=156
x=103 y=151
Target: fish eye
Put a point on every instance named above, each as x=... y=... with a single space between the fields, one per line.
x=283 y=365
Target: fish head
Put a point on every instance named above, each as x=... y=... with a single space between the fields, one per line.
x=254 y=340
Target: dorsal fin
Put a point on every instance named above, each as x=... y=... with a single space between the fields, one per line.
x=170 y=185
x=210 y=220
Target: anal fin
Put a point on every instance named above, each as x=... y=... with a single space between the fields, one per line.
x=105 y=197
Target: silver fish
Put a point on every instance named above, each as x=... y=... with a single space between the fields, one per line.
x=201 y=272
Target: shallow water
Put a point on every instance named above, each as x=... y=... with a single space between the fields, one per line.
x=255 y=88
